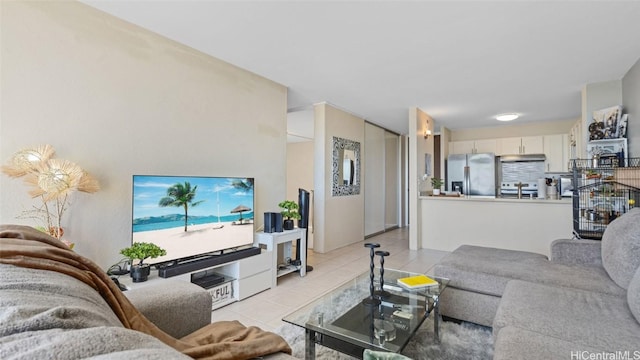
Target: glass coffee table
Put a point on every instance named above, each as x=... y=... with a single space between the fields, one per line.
x=347 y=320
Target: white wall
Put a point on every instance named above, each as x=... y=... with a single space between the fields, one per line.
x=299 y=168
x=300 y=175
x=631 y=102
x=419 y=121
x=338 y=219
x=119 y=100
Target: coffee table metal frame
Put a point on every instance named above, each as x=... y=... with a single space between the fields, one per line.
x=338 y=319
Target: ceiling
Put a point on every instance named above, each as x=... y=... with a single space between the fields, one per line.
x=462 y=62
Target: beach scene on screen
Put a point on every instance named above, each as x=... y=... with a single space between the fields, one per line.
x=189 y=216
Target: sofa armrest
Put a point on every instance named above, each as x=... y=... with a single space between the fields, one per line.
x=176 y=307
x=576 y=252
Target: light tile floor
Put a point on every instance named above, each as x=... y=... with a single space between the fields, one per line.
x=266 y=309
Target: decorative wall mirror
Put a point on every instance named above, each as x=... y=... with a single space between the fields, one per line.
x=346 y=167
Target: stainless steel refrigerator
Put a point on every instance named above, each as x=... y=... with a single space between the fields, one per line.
x=472 y=174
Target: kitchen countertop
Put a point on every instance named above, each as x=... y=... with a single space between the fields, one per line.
x=448 y=222
x=564 y=200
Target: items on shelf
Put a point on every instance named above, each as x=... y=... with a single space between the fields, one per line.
x=608 y=123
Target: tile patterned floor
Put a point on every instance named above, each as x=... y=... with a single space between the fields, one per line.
x=331 y=269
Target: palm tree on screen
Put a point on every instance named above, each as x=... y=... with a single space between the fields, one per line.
x=243 y=185
x=181 y=195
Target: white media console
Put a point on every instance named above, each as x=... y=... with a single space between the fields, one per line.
x=242 y=278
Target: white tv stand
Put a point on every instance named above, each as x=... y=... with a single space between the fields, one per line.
x=287 y=237
x=244 y=277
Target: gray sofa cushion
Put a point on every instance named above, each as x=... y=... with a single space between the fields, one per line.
x=488 y=270
x=177 y=307
x=483 y=269
x=516 y=343
x=469 y=306
x=621 y=246
x=102 y=342
x=42 y=312
x=587 y=318
x=576 y=252
x=633 y=295
x=34 y=300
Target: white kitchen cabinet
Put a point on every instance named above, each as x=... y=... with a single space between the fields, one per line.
x=461 y=147
x=509 y=146
x=472 y=146
x=556 y=150
x=533 y=144
x=520 y=145
x=485 y=146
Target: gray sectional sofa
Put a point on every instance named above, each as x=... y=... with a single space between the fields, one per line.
x=48 y=315
x=583 y=300
x=56 y=304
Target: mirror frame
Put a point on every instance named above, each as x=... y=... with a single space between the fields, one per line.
x=338 y=188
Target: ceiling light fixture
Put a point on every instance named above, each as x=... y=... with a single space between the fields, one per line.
x=507 y=117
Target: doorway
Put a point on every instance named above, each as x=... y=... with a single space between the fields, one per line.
x=382 y=180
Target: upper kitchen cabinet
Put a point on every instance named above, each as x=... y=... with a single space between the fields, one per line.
x=472 y=146
x=556 y=150
x=520 y=145
x=485 y=146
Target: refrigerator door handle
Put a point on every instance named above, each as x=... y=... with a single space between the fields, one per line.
x=467 y=181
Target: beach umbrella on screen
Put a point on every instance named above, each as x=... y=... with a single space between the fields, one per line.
x=240 y=209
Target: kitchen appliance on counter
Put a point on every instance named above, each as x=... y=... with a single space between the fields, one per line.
x=565 y=182
x=519 y=175
x=472 y=174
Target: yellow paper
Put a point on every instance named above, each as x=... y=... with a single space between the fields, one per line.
x=417 y=281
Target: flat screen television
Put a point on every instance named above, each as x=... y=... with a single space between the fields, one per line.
x=192 y=216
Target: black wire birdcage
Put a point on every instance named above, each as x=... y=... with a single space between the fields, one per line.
x=604 y=189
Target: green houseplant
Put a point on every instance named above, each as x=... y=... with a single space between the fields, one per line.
x=289 y=213
x=141 y=251
x=437 y=185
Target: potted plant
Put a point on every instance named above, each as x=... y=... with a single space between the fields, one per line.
x=289 y=213
x=141 y=251
x=437 y=185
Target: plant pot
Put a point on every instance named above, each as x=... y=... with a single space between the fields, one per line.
x=288 y=224
x=140 y=273
x=56 y=232
x=436 y=192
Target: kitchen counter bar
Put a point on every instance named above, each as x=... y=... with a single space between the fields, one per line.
x=507 y=223
x=562 y=201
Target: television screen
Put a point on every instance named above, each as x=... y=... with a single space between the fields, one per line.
x=192 y=215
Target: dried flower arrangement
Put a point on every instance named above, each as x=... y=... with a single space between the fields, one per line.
x=53 y=181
